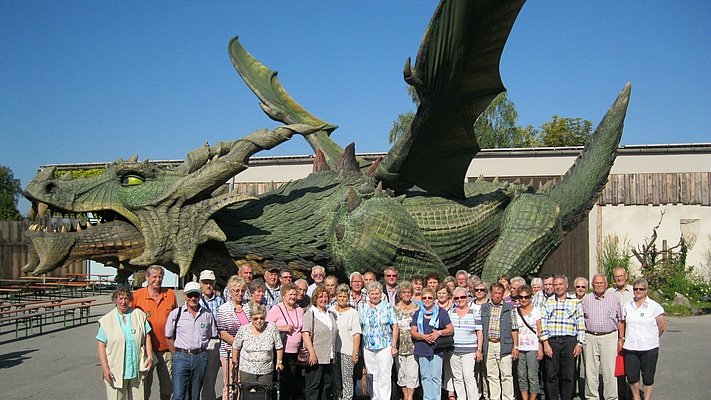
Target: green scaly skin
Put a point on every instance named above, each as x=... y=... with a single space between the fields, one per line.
x=338 y=216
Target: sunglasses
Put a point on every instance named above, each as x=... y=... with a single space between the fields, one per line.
x=460 y=297
x=524 y=297
x=581 y=287
x=480 y=290
x=639 y=289
x=427 y=298
x=391 y=276
x=193 y=295
x=257 y=318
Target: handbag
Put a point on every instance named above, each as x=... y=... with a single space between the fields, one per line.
x=443 y=342
x=364 y=385
x=302 y=357
x=620 y=365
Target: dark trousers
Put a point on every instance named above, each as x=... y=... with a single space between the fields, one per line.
x=317 y=382
x=560 y=368
x=291 y=384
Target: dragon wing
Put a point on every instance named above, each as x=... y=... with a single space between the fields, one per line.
x=456 y=75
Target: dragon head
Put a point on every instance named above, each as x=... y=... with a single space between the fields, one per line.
x=163 y=213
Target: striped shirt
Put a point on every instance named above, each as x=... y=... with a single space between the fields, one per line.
x=563 y=318
x=601 y=313
x=230 y=321
x=465 y=328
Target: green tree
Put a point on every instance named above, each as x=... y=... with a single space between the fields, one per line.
x=496 y=126
x=10 y=191
x=565 y=132
x=403 y=121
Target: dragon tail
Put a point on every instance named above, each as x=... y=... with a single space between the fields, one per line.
x=577 y=191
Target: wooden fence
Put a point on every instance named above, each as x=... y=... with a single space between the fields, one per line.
x=14 y=249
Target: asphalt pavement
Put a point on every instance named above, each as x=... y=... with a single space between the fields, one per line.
x=62 y=363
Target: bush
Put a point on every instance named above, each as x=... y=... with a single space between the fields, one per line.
x=613 y=256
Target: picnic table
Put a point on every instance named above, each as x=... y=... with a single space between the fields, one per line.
x=36 y=316
x=98 y=283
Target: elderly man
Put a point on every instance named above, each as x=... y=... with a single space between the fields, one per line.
x=368 y=277
x=563 y=337
x=500 y=328
x=581 y=286
x=246 y=271
x=285 y=276
x=461 y=278
x=157 y=301
x=516 y=282
x=318 y=273
x=536 y=285
x=357 y=298
x=212 y=302
x=273 y=293
x=303 y=300
x=603 y=339
x=189 y=330
x=390 y=287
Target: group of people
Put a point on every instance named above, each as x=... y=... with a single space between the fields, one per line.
x=459 y=336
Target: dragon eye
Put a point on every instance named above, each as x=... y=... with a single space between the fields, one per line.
x=132 y=180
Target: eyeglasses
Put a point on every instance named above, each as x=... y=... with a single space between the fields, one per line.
x=427 y=298
x=391 y=276
x=480 y=290
x=257 y=318
x=235 y=290
x=460 y=297
x=581 y=287
x=524 y=297
x=193 y=295
x=639 y=289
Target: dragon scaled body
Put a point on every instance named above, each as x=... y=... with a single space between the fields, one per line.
x=410 y=209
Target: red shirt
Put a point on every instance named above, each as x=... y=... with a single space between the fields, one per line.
x=156 y=313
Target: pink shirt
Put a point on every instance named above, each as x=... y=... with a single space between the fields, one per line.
x=280 y=316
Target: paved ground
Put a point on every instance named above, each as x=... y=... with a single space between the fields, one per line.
x=63 y=364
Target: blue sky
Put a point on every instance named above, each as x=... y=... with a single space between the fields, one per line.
x=88 y=81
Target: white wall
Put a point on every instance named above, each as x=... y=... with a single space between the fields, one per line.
x=634 y=224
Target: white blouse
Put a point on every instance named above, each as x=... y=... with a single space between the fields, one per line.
x=641 y=330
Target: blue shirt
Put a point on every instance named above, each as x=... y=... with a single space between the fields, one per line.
x=376 y=325
x=422 y=348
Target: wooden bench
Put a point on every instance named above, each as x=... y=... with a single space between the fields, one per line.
x=38 y=319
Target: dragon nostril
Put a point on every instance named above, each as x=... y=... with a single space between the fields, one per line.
x=51 y=188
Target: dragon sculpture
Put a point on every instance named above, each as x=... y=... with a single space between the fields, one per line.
x=410 y=208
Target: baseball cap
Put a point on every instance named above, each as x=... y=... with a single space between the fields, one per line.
x=207 y=275
x=192 y=287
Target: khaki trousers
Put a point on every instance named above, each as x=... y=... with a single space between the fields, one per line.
x=600 y=353
x=132 y=389
x=499 y=373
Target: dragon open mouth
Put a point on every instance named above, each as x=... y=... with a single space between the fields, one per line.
x=67 y=237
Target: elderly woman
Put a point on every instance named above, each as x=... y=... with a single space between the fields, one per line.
x=445 y=303
x=536 y=285
x=444 y=297
x=289 y=319
x=122 y=341
x=319 y=336
x=408 y=373
x=480 y=291
x=256 y=290
x=428 y=324
x=418 y=283
x=254 y=346
x=380 y=333
x=347 y=342
x=644 y=324
x=505 y=280
x=530 y=349
x=467 y=345
x=230 y=317
x=451 y=283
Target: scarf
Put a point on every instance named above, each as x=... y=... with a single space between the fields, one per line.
x=434 y=320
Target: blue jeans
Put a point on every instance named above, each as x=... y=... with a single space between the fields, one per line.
x=431 y=374
x=188 y=374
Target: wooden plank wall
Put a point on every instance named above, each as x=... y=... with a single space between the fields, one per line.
x=14 y=252
x=687 y=188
